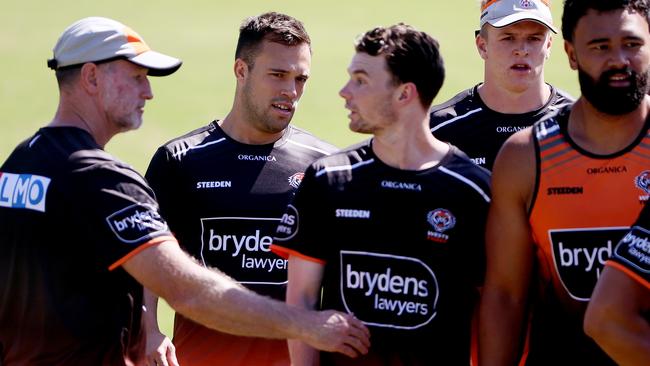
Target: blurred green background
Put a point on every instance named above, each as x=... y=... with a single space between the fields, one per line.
x=204 y=33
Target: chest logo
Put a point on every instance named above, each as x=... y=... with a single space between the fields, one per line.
x=642 y=181
x=386 y=290
x=579 y=256
x=296 y=179
x=441 y=220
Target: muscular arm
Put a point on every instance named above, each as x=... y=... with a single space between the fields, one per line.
x=303 y=290
x=616 y=318
x=213 y=299
x=509 y=253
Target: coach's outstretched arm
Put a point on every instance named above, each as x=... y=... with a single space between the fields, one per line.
x=215 y=300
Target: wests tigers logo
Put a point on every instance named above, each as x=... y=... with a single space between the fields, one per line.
x=642 y=181
x=296 y=179
x=441 y=219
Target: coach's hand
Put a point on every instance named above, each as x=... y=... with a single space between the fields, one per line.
x=160 y=350
x=338 y=332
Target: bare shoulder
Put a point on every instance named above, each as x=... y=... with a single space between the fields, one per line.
x=515 y=167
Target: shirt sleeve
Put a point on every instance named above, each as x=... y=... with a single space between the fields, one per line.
x=297 y=232
x=632 y=254
x=118 y=213
x=160 y=175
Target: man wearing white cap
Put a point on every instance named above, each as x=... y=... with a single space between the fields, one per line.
x=514 y=41
x=564 y=193
x=80 y=231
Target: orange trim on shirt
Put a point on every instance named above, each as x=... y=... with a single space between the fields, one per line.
x=555 y=152
x=629 y=273
x=150 y=243
x=286 y=253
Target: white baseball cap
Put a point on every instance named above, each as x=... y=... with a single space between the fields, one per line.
x=501 y=13
x=96 y=39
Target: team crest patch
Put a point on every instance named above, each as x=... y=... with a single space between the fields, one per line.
x=295 y=179
x=441 y=220
x=642 y=181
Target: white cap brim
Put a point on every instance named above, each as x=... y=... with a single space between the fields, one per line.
x=157 y=63
x=518 y=17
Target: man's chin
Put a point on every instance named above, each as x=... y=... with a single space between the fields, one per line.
x=130 y=125
x=358 y=128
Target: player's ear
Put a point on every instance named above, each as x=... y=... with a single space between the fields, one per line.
x=481 y=45
x=406 y=92
x=549 y=46
x=241 y=69
x=571 y=54
x=88 y=77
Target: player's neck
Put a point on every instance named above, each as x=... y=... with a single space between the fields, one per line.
x=85 y=116
x=244 y=132
x=409 y=145
x=504 y=100
x=605 y=134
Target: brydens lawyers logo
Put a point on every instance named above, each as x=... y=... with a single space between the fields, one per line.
x=579 y=255
x=288 y=226
x=386 y=290
x=441 y=220
x=295 y=179
x=634 y=249
x=240 y=246
x=134 y=223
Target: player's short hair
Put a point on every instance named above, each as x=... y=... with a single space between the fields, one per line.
x=412 y=57
x=576 y=9
x=272 y=27
x=67 y=76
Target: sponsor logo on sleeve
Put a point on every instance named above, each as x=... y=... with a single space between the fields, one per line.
x=579 y=256
x=241 y=247
x=387 y=290
x=441 y=220
x=288 y=226
x=634 y=249
x=27 y=191
x=135 y=223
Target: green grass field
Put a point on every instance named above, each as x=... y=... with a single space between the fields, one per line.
x=203 y=33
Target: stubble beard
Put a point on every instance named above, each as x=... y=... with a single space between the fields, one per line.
x=260 y=116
